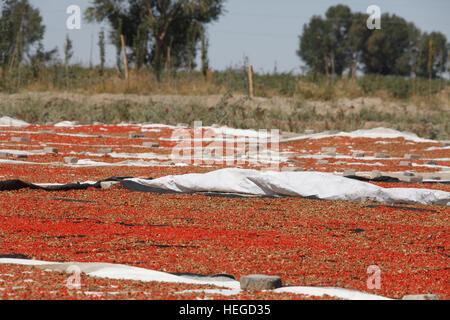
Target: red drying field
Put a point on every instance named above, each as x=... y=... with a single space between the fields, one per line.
x=306 y=242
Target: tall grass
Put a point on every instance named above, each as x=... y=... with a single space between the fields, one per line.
x=234 y=80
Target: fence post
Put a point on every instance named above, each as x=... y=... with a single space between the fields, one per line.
x=124 y=54
x=250 y=82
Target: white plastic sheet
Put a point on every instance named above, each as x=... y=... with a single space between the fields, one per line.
x=376 y=133
x=123 y=272
x=305 y=184
x=11 y=122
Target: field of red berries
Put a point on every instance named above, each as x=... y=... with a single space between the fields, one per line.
x=306 y=242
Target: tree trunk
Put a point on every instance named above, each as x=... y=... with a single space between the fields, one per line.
x=332 y=69
x=168 y=59
x=354 y=65
x=332 y=65
x=158 y=59
x=354 y=70
x=327 y=72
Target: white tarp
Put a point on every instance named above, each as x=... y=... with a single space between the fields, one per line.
x=66 y=124
x=376 y=133
x=305 y=184
x=11 y=122
x=123 y=272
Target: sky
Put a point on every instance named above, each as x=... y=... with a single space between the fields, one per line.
x=265 y=31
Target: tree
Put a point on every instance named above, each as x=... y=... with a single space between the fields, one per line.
x=358 y=34
x=204 y=55
x=342 y=41
x=101 y=45
x=166 y=22
x=40 y=58
x=314 y=45
x=328 y=38
x=20 y=28
x=447 y=67
x=68 y=51
x=117 y=41
x=140 y=46
x=192 y=35
x=339 y=20
x=432 y=63
x=389 y=50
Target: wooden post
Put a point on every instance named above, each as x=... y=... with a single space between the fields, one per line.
x=124 y=54
x=250 y=82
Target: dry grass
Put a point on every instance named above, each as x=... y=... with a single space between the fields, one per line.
x=285 y=114
x=310 y=87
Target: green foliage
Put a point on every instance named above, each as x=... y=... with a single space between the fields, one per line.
x=140 y=46
x=388 y=51
x=204 y=54
x=68 y=51
x=342 y=40
x=20 y=28
x=41 y=59
x=325 y=43
x=234 y=79
x=312 y=45
x=398 y=87
x=438 y=57
x=170 y=23
x=193 y=33
x=339 y=20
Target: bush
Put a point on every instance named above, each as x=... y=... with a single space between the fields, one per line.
x=398 y=87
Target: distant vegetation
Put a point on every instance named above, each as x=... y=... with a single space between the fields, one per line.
x=76 y=78
x=344 y=60
x=341 y=43
x=162 y=41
